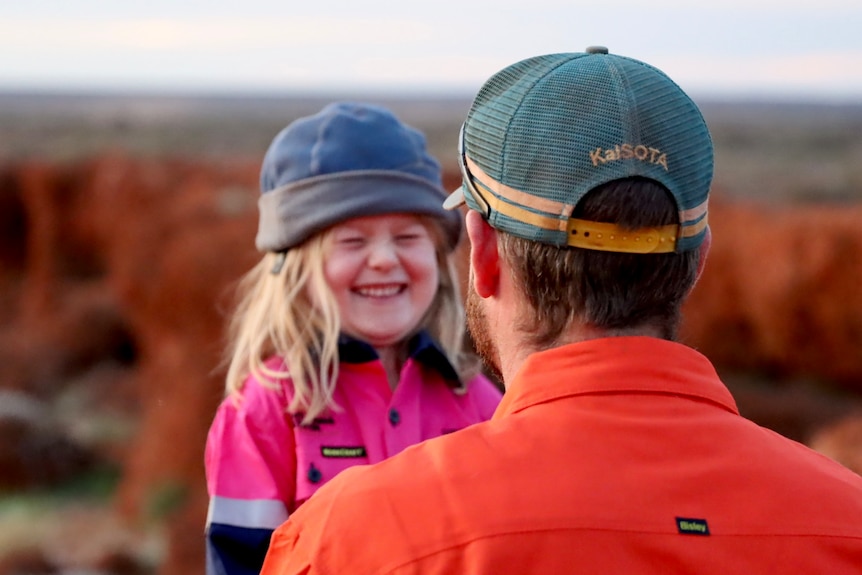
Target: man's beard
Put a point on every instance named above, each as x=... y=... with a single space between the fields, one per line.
x=477 y=326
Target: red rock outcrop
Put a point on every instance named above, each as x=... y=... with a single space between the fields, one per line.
x=780 y=293
x=132 y=261
x=842 y=441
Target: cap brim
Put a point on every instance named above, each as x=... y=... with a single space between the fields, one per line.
x=455 y=200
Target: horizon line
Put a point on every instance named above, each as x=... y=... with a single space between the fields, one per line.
x=412 y=94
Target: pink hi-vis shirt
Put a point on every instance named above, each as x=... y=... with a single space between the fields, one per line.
x=261 y=463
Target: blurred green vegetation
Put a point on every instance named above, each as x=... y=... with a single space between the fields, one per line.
x=96 y=486
x=783 y=151
x=773 y=151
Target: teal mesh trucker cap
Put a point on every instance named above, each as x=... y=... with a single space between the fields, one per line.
x=544 y=131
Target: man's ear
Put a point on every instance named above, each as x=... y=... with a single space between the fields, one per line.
x=703 y=251
x=484 y=257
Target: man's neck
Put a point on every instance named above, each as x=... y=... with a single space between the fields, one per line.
x=514 y=347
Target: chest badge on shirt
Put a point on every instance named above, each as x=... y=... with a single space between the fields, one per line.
x=342 y=451
x=691 y=526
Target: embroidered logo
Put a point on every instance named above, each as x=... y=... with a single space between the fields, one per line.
x=689 y=526
x=627 y=152
x=342 y=451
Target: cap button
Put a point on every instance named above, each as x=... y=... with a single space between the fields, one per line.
x=596 y=50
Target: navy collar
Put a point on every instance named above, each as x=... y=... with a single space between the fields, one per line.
x=420 y=347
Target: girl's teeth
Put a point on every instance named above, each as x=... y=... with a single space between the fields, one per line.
x=379 y=291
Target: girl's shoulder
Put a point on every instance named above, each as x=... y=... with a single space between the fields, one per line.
x=268 y=389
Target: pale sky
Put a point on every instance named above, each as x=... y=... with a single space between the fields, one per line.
x=762 y=48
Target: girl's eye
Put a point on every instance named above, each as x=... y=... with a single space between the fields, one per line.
x=411 y=234
x=349 y=241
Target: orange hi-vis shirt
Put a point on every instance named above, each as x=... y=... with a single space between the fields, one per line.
x=619 y=455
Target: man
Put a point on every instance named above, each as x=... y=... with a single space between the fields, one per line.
x=615 y=449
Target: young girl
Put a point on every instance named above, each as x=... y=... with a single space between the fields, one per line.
x=347 y=342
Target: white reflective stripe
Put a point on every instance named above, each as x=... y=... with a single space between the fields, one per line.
x=251 y=513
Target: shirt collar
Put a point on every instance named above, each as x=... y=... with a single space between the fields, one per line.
x=420 y=347
x=615 y=365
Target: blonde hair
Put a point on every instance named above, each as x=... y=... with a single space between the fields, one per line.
x=277 y=317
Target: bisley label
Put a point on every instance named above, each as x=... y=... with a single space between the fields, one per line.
x=689 y=526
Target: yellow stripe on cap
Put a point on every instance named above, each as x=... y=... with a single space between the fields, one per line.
x=586 y=234
x=516 y=196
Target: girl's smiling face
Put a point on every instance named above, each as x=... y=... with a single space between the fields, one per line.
x=383 y=273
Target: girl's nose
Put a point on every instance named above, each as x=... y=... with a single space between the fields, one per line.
x=383 y=254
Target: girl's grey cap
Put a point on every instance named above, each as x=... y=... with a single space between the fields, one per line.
x=348 y=160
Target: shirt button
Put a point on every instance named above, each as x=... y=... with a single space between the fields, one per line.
x=314 y=474
x=394 y=417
